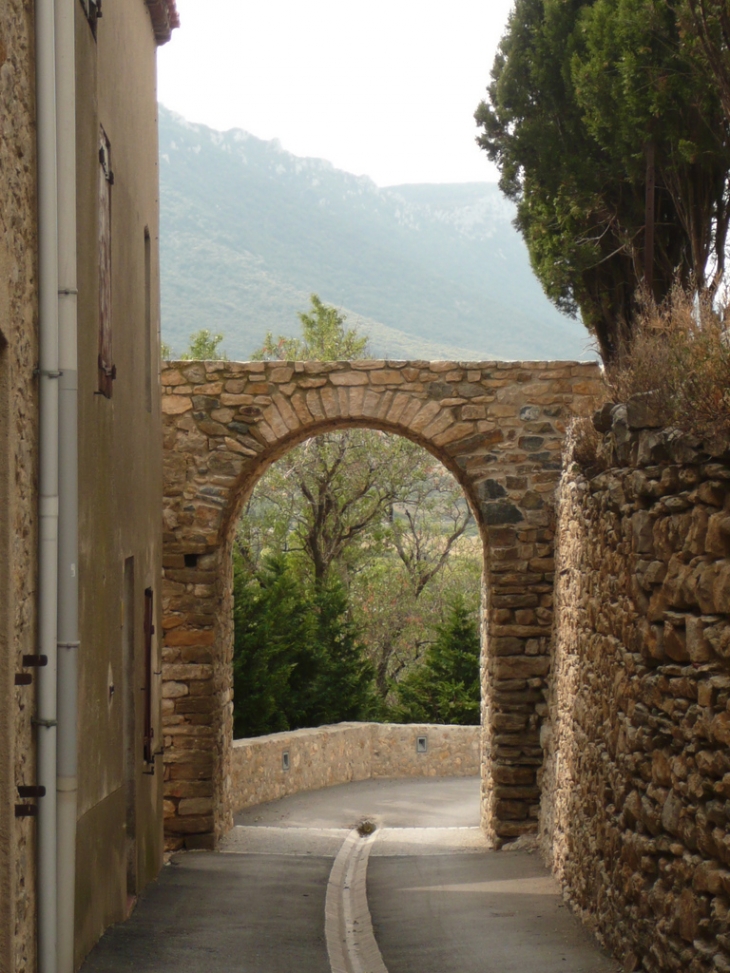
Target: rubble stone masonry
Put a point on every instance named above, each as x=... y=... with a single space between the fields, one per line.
x=344 y=752
x=497 y=426
x=18 y=478
x=636 y=787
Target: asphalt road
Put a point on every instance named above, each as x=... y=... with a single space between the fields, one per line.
x=433 y=898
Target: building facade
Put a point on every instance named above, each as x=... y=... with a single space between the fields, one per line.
x=119 y=796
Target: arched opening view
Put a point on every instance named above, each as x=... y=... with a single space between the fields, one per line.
x=356 y=567
x=496 y=427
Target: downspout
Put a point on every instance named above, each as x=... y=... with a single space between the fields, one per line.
x=68 y=585
x=48 y=479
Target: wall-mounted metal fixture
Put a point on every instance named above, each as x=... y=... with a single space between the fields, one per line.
x=30 y=662
x=29 y=790
x=421 y=744
x=26 y=810
x=285 y=764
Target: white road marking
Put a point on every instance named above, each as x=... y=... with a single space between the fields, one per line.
x=351 y=944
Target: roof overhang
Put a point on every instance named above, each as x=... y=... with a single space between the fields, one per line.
x=165 y=19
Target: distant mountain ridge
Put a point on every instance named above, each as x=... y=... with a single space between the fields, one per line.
x=249 y=231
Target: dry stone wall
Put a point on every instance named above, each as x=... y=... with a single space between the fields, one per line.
x=345 y=752
x=497 y=426
x=636 y=788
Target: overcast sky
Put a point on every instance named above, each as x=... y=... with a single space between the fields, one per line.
x=384 y=88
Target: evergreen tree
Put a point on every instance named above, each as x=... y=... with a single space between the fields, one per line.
x=272 y=636
x=296 y=660
x=344 y=687
x=615 y=149
x=445 y=689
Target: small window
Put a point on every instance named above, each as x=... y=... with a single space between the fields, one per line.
x=107 y=370
x=421 y=744
x=285 y=764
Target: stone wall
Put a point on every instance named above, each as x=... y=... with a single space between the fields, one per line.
x=636 y=788
x=497 y=426
x=344 y=752
x=18 y=477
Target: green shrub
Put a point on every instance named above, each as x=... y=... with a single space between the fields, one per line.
x=296 y=659
x=445 y=689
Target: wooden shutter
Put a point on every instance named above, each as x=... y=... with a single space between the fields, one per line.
x=107 y=370
x=149 y=631
x=92 y=9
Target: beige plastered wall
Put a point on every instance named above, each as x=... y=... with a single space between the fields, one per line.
x=18 y=471
x=119 y=826
x=329 y=755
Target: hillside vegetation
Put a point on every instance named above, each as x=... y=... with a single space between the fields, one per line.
x=249 y=231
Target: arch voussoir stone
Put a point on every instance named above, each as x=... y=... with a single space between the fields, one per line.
x=497 y=426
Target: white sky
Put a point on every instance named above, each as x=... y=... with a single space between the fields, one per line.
x=386 y=88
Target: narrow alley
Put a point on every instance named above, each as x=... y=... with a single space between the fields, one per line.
x=296 y=887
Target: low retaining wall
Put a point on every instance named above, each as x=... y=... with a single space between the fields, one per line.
x=345 y=752
x=636 y=790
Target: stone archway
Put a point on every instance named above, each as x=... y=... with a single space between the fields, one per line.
x=497 y=426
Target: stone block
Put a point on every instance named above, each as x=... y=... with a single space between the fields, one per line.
x=644 y=411
x=513 y=776
x=720 y=728
x=501 y=512
x=191 y=824
x=172 y=690
x=698 y=647
x=175 y=405
x=198 y=806
x=511 y=810
x=675 y=642
x=511 y=722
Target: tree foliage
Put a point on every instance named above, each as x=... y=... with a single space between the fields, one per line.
x=445 y=689
x=370 y=530
x=326 y=494
x=324 y=338
x=400 y=591
x=582 y=92
x=707 y=24
x=296 y=659
x=378 y=514
x=203 y=346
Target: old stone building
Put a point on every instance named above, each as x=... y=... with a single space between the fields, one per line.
x=79 y=320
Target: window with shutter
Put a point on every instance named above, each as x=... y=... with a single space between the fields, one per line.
x=148 y=318
x=92 y=9
x=149 y=672
x=107 y=370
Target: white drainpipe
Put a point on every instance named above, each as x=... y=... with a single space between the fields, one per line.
x=48 y=476
x=68 y=545
x=58 y=550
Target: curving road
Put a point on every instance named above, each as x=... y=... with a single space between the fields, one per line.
x=298 y=889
